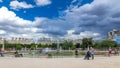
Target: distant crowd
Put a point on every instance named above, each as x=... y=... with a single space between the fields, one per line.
x=88 y=55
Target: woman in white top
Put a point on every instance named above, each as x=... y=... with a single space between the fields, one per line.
x=92 y=52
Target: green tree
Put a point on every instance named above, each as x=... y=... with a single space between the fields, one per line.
x=19 y=47
x=97 y=45
x=1 y=46
x=39 y=45
x=108 y=43
x=87 y=42
x=53 y=45
x=44 y=45
x=68 y=45
x=32 y=46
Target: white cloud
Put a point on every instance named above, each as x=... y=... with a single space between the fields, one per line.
x=89 y=34
x=1 y=1
x=90 y=20
x=10 y=18
x=43 y=2
x=2 y=32
x=19 y=5
x=14 y=26
x=97 y=17
x=70 y=32
x=81 y=35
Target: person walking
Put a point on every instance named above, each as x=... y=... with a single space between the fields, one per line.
x=88 y=55
x=1 y=53
x=76 y=53
x=92 y=52
x=109 y=52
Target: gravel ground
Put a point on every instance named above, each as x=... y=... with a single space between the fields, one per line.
x=98 y=62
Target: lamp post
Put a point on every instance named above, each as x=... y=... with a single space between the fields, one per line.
x=58 y=45
x=88 y=44
x=36 y=43
x=3 y=46
x=36 y=46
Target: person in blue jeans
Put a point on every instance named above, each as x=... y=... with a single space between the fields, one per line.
x=92 y=52
x=88 y=55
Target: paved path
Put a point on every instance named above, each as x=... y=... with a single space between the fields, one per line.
x=99 y=62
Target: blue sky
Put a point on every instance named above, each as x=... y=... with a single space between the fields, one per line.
x=54 y=8
x=58 y=18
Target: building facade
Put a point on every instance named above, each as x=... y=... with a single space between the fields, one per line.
x=15 y=40
x=113 y=34
x=51 y=40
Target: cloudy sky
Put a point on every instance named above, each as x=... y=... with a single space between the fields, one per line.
x=59 y=18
